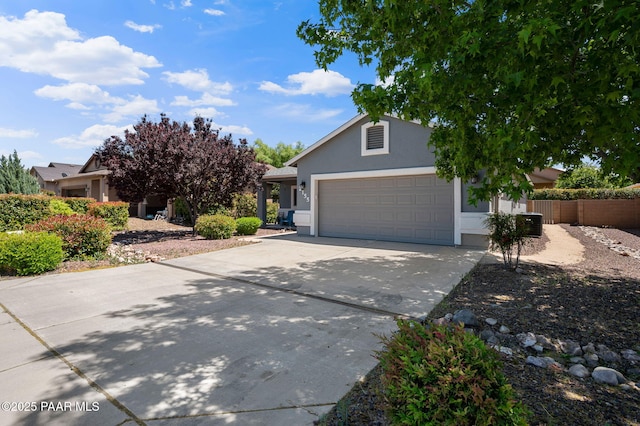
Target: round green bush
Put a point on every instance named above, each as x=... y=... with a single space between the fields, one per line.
x=248 y=225
x=445 y=376
x=215 y=227
x=83 y=236
x=29 y=253
x=60 y=207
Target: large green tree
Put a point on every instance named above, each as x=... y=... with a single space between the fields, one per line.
x=589 y=176
x=510 y=85
x=278 y=155
x=14 y=178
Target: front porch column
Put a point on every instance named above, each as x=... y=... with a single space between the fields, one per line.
x=263 y=191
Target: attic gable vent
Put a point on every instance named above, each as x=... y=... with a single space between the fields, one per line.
x=375 y=138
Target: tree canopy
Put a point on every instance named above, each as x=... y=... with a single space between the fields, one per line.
x=14 y=178
x=510 y=85
x=174 y=159
x=589 y=176
x=278 y=155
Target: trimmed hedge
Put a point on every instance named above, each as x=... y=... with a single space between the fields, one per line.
x=585 y=194
x=248 y=225
x=29 y=253
x=18 y=210
x=78 y=204
x=58 y=206
x=444 y=375
x=215 y=227
x=116 y=213
x=83 y=236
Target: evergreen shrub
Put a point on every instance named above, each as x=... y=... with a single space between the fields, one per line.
x=29 y=253
x=443 y=375
x=57 y=206
x=248 y=225
x=79 y=204
x=116 y=213
x=83 y=236
x=215 y=227
x=18 y=210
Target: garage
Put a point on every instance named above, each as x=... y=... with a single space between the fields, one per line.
x=415 y=208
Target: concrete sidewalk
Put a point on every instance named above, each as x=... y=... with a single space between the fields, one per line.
x=267 y=334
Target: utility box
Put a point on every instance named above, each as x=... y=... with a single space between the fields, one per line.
x=533 y=224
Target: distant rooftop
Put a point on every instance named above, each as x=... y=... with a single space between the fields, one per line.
x=56 y=171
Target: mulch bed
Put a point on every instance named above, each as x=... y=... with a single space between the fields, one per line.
x=596 y=301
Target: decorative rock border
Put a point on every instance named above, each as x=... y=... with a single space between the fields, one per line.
x=122 y=253
x=596 y=234
x=589 y=360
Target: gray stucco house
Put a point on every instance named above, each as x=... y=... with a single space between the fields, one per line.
x=377 y=181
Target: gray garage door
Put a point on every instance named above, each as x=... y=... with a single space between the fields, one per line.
x=416 y=209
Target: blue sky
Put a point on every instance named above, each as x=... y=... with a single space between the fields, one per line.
x=76 y=72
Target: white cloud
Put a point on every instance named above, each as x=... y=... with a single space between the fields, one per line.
x=186 y=3
x=42 y=43
x=80 y=94
x=137 y=106
x=317 y=82
x=214 y=12
x=198 y=81
x=204 y=112
x=92 y=136
x=305 y=112
x=386 y=83
x=142 y=28
x=17 y=134
x=205 y=99
x=233 y=129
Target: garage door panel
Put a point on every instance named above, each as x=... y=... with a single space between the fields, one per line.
x=407 y=208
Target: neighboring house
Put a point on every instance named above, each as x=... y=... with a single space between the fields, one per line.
x=48 y=176
x=545 y=178
x=91 y=180
x=377 y=181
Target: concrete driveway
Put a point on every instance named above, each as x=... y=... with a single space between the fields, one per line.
x=268 y=334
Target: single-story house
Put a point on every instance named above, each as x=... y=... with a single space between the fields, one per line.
x=91 y=180
x=544 y=178
x=377 y=180
x=48 y=176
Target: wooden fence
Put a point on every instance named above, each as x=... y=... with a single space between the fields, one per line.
x=614 y=213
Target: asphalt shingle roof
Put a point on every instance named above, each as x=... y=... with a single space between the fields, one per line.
x=57 y=171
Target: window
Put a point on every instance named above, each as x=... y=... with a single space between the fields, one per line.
x=294 y=196
x=375 y=138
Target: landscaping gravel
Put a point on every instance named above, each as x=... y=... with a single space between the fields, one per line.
x=594 y=303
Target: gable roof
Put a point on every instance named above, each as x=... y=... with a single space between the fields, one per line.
x=546 y=175
x=56 y=171
x=345 y=126
x=280 y=173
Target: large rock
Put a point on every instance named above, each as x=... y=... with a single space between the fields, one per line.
x=608 y=376
x=607 y=355
x=466 y=318
x=630 y=355
x=579 y=370
x=543 y=362
x=571 y=348
x=526 y=339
